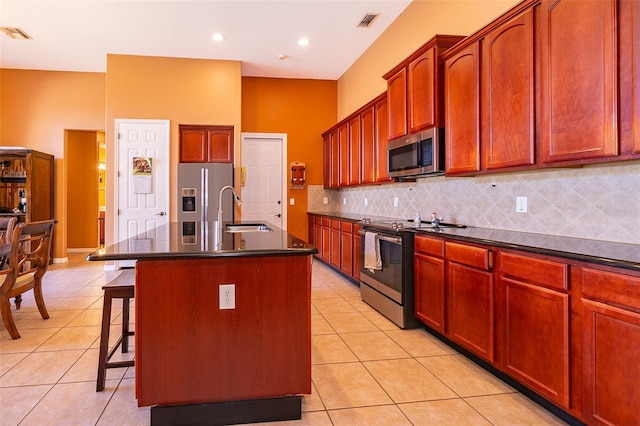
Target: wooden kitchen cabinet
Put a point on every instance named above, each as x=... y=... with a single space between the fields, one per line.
x=508 y=98
x=611 y=346
x=355 y=149
x=532 y=321
x=470 y=298
x=414 y=89
x=579 y=105
x=357 y=246
x=343 y=156
x=429 y=282
x=629 y=85
x=368 y=148
x=462 y=106
x=335 y=254
x=326 y=239
x=326 y=160
x=382 y=140
x=206 y=144
x=346 y=248
x=397 y=103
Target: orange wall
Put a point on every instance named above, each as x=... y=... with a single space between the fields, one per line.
x=184 y=91
x=419 y=22
x=82 y=189
x=302 y=109
x=35 y=109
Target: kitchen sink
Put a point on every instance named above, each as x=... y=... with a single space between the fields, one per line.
x=247 y=227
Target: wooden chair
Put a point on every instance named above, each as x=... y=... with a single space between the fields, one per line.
x=28 y=261
x=6 y=232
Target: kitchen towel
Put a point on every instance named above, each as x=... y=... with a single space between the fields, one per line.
x=372 y=260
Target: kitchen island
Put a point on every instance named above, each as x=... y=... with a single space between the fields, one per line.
x=221 y=323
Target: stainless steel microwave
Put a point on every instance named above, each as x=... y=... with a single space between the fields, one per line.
x=417 y=154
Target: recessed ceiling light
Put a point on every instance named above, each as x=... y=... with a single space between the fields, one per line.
x=217 y=37
x=282 y=57
x=17 y=33
x=303 y=42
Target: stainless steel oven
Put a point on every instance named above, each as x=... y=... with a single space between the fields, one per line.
x=389 y=289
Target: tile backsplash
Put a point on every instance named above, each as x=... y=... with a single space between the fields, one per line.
x=600 y=202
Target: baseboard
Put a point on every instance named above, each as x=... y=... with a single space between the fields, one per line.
x=60 y=259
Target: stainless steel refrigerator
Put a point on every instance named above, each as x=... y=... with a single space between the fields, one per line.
x=199 y=186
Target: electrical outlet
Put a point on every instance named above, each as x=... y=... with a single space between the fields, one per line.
x=395 y=201
x=292 y=201
x=344 y=201
x=227 y=296
x=325 y=200
x=521 y=204
x=366 y=202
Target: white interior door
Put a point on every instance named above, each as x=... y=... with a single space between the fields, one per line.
x=142 y=191
x=264 y=190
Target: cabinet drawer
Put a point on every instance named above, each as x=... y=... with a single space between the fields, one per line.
x=618 y=289
x=430 y=246
x=476 y=257
x=538 y=271
x=347 y=226
x=335 y=223
x=326 y=221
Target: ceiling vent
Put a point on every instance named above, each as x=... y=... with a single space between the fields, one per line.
x=16 y=33
x=368 y=20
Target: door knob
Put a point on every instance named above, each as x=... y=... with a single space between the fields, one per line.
x=160 y=214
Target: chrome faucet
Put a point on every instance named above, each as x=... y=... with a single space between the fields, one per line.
x=218 y=229
x=235 y=197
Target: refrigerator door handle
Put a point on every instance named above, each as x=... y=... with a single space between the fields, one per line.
x=204 y=197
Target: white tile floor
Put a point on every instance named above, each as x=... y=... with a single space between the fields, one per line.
x=366 y=371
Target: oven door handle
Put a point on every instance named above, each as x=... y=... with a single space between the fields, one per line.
x=392 y=240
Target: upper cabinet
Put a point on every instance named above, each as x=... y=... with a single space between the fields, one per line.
x=355 y=149
x=508 y=94
x=415 y=89
x=578 y=75
x=549 y=83
x=206 y=144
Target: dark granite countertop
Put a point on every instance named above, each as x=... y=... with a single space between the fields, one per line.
x=621 y=255
x=177 y=240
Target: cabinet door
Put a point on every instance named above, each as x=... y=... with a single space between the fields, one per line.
x=421 y=84
x=429 y=291
x=354 y=150
x=326 y=242
x=326 y=160
x=397 y=98
x=343 y=143
x=381 y=141
x=311 y=232
x=462 y=106
x=220 y=145
x=578 y=79
x=368 y=147
x=346 y=252
x=193 y=145
x=507 y=94
x=470 y=309
x=357 y=245
x=335 y=243
x=318 y=237
x=536 y=337
x=611 y=359
x=334 y=181
x=629 y=89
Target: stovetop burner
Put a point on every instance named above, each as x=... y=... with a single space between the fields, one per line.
x=400 y=225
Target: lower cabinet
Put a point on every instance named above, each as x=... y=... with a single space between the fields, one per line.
x=533 y=310
x=338 y=243
x=611 y=347
x=428 y=270
x=470 y=298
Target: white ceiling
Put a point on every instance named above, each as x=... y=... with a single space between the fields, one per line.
x=76 y=35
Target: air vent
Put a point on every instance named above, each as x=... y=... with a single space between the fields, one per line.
x=367 y=20
x=16 y=33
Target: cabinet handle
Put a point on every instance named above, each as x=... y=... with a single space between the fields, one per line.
x=490 y=253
